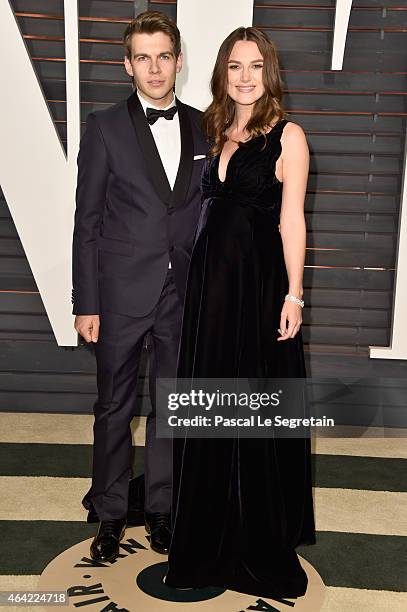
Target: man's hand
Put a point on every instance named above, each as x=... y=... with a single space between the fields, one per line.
x=88 y=327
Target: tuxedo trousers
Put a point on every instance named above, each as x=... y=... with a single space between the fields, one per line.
x=118 y=351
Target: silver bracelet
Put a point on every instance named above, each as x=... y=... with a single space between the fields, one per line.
x=293 y=298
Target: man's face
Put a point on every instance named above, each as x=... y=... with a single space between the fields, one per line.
x=153 y=66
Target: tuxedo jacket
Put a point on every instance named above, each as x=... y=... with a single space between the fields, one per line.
x=129 y=223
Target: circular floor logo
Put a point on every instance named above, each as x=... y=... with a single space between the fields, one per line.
x=135 y=583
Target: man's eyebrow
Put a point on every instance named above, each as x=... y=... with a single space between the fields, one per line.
x=147 y=55
x=252 y=61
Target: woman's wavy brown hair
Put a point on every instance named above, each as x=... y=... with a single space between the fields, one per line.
x=220 y=113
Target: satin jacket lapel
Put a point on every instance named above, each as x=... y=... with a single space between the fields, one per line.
x=183 y=179
x=149 y=149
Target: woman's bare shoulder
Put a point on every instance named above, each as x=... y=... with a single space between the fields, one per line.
x=293 y=137
x=293 y=130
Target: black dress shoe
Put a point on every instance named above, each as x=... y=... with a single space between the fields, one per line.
x=158 y=526
x=105 y=546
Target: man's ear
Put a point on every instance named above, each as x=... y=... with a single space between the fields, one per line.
x=128 y=67
x=180 y=60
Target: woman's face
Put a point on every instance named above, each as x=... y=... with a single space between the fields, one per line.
x=245 y=73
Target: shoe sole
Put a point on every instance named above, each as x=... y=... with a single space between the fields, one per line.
x=157 y=550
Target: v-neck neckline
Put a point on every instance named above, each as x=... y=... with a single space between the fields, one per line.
x=238 y=148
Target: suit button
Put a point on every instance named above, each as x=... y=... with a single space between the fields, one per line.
x=170 y=211
x=171 y=249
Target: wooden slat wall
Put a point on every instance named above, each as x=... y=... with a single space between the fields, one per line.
x=355 y=124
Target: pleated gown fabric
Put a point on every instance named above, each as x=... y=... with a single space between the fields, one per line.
x=240 y=506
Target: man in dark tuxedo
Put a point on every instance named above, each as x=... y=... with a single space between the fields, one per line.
x=137 y=207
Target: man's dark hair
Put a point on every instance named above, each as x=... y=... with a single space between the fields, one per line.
x=150 y=22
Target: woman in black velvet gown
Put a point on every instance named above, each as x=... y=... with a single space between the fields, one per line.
x=241 y=506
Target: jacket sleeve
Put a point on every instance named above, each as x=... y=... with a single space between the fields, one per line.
x=93 y=171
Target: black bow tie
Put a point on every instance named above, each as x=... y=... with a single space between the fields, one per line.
x=154 y=113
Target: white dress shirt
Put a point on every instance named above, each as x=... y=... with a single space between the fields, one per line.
x=167 y=137
x=166 y=134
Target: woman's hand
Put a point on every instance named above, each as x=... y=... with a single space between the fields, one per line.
x=292 y=313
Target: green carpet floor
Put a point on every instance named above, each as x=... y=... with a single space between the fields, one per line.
x=360 y=503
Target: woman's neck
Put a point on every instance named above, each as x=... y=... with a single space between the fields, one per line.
x=242 y=116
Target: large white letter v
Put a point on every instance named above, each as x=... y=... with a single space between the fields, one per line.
x=37 y=179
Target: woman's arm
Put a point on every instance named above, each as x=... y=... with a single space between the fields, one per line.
x=295 y=167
